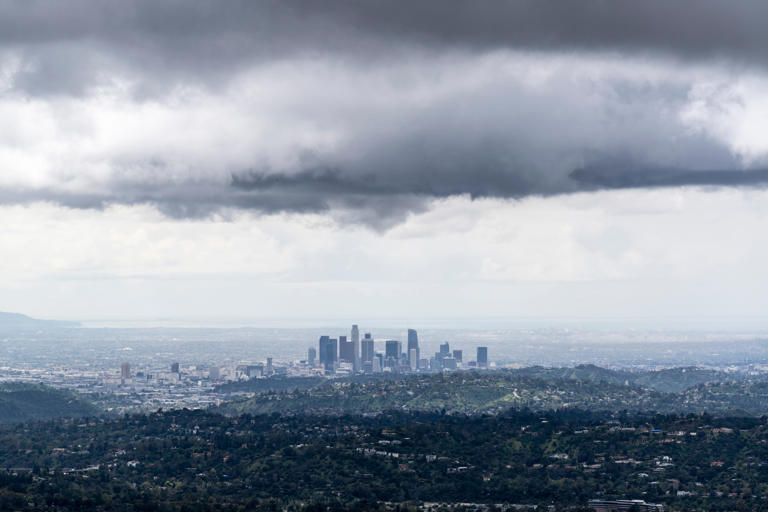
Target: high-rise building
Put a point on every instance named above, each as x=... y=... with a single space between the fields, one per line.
x=392 y=350
x=328 y=353
x=413 y=359
x=457 y=355
x=125 y=371
x=322 y=349
x=311 y=356
x=270 y=371
x=445 y=349
x=346 y=350
x=366 y=349
x=174 y=367
x=255 y=370
x=413 y=345
x=356 y=347
x=378 y=362
x=482 y=357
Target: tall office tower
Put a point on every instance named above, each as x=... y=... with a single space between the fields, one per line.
x=413 y=344
x=457 y=355
x=346 y=352
x=328 y=353
x=445 y=350
x=269 y=366
x=311 y=356
x=366 y=353
x=482 y=357
x=356 y=348
x=174 y=367
x=125 y=371
x=378 y=362
x=392 y=349
x=413 y=359
x=322 y=349
x=334 y=353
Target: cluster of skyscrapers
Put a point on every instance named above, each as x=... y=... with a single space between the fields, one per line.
x=360 y=355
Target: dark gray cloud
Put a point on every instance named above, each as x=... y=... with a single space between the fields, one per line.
x=494 y=138
x=73 y=43
x=617 y=176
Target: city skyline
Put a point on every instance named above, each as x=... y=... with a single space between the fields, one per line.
x=395 y=357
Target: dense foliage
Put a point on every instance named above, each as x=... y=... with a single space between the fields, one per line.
x=194 y=460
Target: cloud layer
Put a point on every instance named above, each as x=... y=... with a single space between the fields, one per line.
x=370 y=110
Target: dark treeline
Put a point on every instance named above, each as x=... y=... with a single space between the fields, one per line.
x=196 y=460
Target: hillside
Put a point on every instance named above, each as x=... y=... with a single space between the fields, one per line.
x=465 y=393
x=670 y=380
x=538 y=389
x=674 y=380
x=195 y=461
x=24 y=402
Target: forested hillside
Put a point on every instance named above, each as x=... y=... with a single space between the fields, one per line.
x=25 y=402
x=196 y=461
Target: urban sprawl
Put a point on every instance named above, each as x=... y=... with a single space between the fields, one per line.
x=154 y=384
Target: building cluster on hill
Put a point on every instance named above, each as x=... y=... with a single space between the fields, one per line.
x=345 y=355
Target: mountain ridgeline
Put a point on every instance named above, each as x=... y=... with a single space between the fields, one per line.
x=19 y=322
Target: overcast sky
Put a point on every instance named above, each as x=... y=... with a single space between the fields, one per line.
x=366 y=158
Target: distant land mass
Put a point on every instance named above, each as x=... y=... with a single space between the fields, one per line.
x=17 y=321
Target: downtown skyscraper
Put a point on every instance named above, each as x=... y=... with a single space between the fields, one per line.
x=413 y=349
x=355 y=334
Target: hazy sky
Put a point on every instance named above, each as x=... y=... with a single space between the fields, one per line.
x=370 y=158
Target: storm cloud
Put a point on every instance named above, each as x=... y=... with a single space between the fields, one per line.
x=368 y=110
x=203 y=37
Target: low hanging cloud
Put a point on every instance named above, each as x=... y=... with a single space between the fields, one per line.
x=369 y=110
